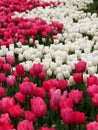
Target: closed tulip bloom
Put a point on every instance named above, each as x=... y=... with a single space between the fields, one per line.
x=76 y=96
x=27 y=88
x=11 y=80
x=80 y=67
x=95 y=100
x=2 y=92
x=66 y=103
x=92 y=126
x=92 y=89
x=42 y=75
x=6 y=126
x=2 y=77
x=92 y=80
x=6 y=103
x=67 y=115
x=10 y=59
x=4 y=118
x=29 y=115
x=40 y=92
x=20 y=97
x=36 y=69
x=38 y=106
x=20 y=70
x=7 y=67
x=78 y=77
x=16 y=111
x=79 y=117
x=62 y=84
x=25 y=125
x=55 y=97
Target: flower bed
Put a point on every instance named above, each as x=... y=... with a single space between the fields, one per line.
x=48 y=65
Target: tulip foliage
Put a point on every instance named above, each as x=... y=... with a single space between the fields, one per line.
x=43 y=84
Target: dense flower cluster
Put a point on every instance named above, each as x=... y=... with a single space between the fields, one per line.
x=48 y=65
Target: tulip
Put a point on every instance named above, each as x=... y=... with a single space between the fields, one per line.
x=38 y=107
x=25 y=125
x=11 y=80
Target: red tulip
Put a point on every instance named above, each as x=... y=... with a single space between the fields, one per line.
x=20 y=70
x=80 y=66
x=2 y=92
x=2 y=77
x=79 y=117
x=92 y=80
x=66 y=103
x=36 y=69
x=62 y=84
x=78 y=77
x=20 y=97
x=29 y=115
x=40 y=92
x=7 y=67
x=15 y=111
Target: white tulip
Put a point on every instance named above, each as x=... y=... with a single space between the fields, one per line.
x=46 y=64
x=59 y=76
x=49 y=72
x=53 y=66
x=71 y=81
x=92 y=70
x=20 y=57
x=66 y=74
x=85 y=77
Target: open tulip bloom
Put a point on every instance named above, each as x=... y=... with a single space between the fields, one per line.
x=48 y=65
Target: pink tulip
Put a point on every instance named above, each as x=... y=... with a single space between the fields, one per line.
x=27 y=88
x=95 y=100
x=92 y=89
x=38 y=106
x=76 y=96
x=10 y=59
x=20 y=97
x=11 y=80
x=55 y=97
x=6 y=103
x=92 y=126
x=67 y=115
x=25 y=125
